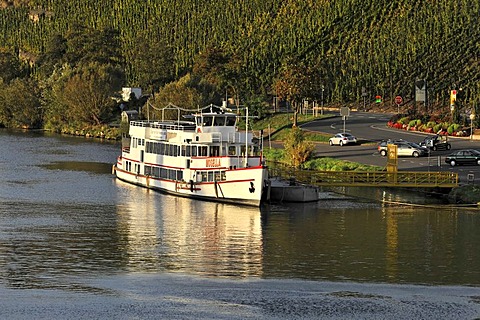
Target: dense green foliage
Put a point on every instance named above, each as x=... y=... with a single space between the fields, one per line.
x=245 y=49
x=297 y=150
x=278 y=155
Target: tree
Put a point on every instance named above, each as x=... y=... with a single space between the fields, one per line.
x=20 y=107
x=296 y=82
x=87 y=45
x=152 y=62
x=10 y=66
x=55 y=51
x=297 y=150
x=87 y=93
x=181 y=93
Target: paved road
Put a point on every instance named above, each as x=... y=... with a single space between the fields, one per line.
x=370 y=128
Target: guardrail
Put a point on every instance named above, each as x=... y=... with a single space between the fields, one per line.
x=412 y=179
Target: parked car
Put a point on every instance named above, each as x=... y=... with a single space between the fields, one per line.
x=404 y=148
x=467 y=156
x=436 y=142
x=342 y=139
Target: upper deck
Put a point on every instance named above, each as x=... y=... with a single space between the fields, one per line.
x=200 y=128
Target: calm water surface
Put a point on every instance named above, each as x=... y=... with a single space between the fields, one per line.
x=63 y=215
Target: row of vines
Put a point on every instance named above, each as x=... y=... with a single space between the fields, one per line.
x=381 y=46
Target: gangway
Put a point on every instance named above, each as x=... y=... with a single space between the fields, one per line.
x=404 y=179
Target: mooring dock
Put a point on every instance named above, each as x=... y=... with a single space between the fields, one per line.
x=404 y=179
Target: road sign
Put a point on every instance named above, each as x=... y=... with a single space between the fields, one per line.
x=398 y=100
x=345 y=111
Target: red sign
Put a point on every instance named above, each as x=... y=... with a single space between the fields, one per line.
x=214 y=162
x=398 y=99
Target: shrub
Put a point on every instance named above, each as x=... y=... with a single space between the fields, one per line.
x=297 y=150
x=404 y=120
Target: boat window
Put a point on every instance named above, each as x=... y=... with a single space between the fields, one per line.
x=194 y=151
x=202 y=152
x=184 y=151
x=207 y=121
x=163 y=173
x=242 y=150
x=232 y=150
x=214 y=151
x=218 y=176
x=148 y=170
x=204 y=176
x=179 y=175
x=210 y=176
x=231 y=121
x=219 y=121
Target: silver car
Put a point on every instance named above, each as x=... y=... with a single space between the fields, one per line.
x=404 y=149
x=342 y=139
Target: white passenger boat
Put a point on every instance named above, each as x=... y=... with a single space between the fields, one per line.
x=205 y=157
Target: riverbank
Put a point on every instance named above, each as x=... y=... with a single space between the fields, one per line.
x=465 y=194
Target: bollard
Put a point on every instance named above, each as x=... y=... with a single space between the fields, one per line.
x=470 y=178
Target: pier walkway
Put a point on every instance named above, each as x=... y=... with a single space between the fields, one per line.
x=404 y=179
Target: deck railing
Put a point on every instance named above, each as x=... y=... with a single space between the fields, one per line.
x=440 y=179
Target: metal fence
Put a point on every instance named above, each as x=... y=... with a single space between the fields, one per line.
x=440 y=179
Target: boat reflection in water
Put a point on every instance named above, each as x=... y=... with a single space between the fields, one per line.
x=174 y=234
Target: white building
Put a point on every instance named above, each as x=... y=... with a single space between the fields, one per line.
x=126 y=93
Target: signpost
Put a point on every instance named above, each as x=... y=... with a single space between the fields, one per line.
x=344 y=112
x=398 y=101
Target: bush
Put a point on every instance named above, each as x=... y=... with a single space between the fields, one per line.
x=404 y=120
x=297 y=150
x=273 y=154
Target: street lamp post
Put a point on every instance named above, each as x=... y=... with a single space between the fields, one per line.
x=472 y=117
x=321 y=110
x=364 y=95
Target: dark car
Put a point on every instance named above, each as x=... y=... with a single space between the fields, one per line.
x=468 y=156
x=436 y=142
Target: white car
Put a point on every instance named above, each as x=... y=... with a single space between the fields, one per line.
x=342 y=139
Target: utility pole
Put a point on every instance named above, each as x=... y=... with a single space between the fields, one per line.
x=321 y=110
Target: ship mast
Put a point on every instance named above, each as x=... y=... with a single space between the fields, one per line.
x=246 y=136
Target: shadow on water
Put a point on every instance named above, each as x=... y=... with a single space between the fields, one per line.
x=92 y=167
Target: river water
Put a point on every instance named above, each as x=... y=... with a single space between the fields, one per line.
x=66 y=225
